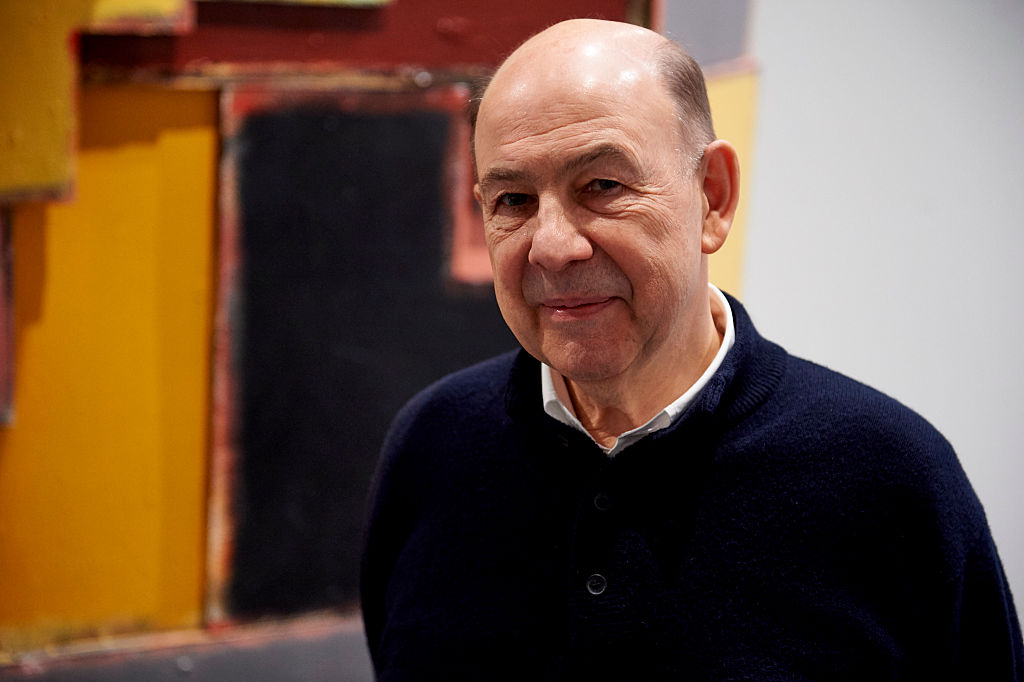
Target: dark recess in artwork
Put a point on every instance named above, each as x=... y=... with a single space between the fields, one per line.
x=344 y=312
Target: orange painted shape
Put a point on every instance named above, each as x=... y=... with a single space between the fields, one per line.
x=102 y=473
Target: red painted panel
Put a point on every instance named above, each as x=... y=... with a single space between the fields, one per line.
x=427 y=33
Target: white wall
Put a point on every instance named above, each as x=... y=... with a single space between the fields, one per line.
x=886 y=222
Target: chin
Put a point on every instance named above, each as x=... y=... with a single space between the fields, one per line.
x=587 y=365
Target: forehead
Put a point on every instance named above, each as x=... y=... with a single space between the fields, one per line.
x=545 y=112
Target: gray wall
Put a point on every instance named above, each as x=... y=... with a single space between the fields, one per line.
x=887 y=215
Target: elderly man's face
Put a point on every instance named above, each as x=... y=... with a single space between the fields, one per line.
x=592 y=212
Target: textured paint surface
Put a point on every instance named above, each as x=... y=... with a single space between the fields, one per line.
x=116 y=10
x=37 y=52
x=102 y=473
x=6 y=318
x=307 y=649
x=733 y=108
x=349 y=3
x=236 y=36
x=36 y=121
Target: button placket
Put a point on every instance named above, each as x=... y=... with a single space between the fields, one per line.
x=598 y=523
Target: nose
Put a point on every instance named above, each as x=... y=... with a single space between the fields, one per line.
x=557 y=241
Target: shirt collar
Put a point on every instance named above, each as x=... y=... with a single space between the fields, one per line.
x=557 y=404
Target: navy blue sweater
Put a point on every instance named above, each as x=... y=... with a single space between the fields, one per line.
x=792 y=525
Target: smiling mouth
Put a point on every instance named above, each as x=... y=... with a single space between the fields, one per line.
x=576 y=308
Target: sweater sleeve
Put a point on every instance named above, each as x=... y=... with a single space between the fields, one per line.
x=988 y=638
x=389 y=514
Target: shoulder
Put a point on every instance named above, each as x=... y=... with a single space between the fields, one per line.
x=846 y=430
x=855 y=460
x=846 y=406
x=797 y=415
x=454 y=409
x=439 y=428
x=864 y=440
x=478 y=387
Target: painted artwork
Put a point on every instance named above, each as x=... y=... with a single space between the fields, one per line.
x=6 y=321
x=38 y=123
x=337 y=3
x=357 y=243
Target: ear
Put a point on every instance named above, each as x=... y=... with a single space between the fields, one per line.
x=721 y=184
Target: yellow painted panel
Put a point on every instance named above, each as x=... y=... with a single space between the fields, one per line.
x=102 y=474
x=103 y=11
x=733 y=108
x=36 y=118
x=37 y=89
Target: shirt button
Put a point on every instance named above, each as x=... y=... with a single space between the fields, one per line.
x=601 y=502
x=596 y=584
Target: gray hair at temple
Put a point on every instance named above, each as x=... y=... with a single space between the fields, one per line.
x=682 y=78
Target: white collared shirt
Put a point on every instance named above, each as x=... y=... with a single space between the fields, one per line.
x=557 y=403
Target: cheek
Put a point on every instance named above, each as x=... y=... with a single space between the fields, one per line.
x=656 y=254
x=638 y=242
x=508 y=257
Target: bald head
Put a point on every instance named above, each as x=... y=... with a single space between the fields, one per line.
x=595 y=58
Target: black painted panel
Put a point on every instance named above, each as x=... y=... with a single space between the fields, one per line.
x=345 y=312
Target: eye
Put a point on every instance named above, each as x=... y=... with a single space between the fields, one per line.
x=513 y=199
x=602 y=186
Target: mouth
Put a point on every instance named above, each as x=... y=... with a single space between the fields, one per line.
x=575 y=308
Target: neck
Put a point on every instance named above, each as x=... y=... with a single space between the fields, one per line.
x=611 y=407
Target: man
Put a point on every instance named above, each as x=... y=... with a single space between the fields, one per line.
x=650 y=490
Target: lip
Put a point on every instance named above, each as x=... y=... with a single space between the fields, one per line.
x=576 y=308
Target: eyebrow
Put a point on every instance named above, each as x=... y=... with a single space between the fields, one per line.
x=609 y=152
x=502 y=175
x=603 y=152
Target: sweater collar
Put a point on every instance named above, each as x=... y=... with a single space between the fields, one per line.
x=556 y=401
x=748 y=374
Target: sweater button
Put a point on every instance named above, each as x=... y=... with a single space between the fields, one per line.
x=596 y=584
x=601 y=502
